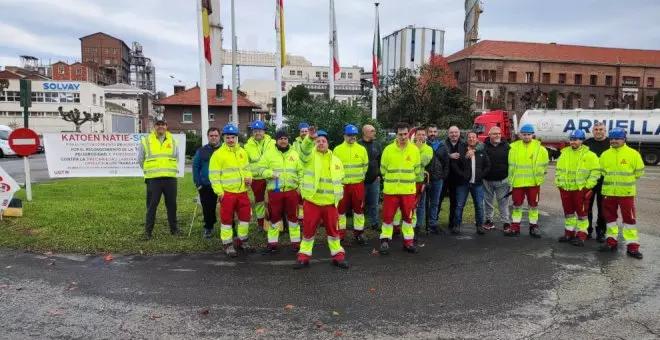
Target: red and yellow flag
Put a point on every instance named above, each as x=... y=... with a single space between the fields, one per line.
x=206 y=10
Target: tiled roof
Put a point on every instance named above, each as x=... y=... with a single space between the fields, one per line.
x=515 y=50
x=191 y=97
x=9 y=75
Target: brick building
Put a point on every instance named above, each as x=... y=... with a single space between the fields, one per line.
x=79 y=72
x=182 y=110
x=112 y=54
x=577 y=76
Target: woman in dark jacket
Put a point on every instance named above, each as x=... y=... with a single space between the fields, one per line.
x=470 y=171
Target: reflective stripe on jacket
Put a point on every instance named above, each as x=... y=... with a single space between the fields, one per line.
x=577 y=169
x=286 y=164
x=400 y=169
x=621 y=167
x=255 y=150
x=528 y=164
x=355 y=159
x=322 y=175
x=228 y=169
x=160 y=159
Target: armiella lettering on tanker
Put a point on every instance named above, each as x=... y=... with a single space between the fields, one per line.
x=96 y=138
x=631 y=126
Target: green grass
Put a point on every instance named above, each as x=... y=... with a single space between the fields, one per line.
x=98 y=215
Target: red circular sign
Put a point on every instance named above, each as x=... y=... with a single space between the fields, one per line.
x=24 y=141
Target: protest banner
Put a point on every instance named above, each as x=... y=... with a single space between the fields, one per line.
x=99 y=155
x=8 y=186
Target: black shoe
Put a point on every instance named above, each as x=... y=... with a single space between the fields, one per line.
x=375 y=227
x=635 y=254
x=301 y=264
x=361 y=240
x=565 y=239
x=208 y=233
x=341 y=264
x=146 y=236
x=384 y=248
x=411 y=249
x=535 y=231
x=605 y=248
x=177 y=232
x=600 y=238
x=512 y=233
x=270 y=249
x=589 y=237
x=455 y=231
x=481 y=230
x=578 y=242
x=434 y=229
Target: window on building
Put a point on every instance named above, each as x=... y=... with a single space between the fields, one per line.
x=187 y=117
x=76 y=97
x=107 y=61
x=350 y=76
x=101 y=100
x=593 y=80
x=488 y=99
x=650 y=102
x=592 y=101
x=78 y=70
x=529 y=77
x=106 y=50
x=650 y=82
x=299 y=73
x=608 y=80
x=211 y=117
x=342 y=75
x=60 y=69
x=292 y=72
x=480 y=100
x=493 y=75
x=37 y=97
x=115 y=51
x=561 y=100
x=562 y=78
x=545 y=78
x=511 y=101
x=608 y=101
x=486 y=75
x=93 y=99
x=318 y=74
x=477 y=75
x=578 y=79
x=51 y=97
x=12 y=96
x=325 y=74
x=512 y=77
x=456 y=74
x=631 y=81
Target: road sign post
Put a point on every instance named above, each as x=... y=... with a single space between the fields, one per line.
x=25 y=142
x=26 y=99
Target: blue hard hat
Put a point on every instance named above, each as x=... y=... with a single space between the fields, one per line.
x=230 y=129
x=322 y=133
x=527 y=128
x=577 y=134
x=303 y=125
x=258 y=125
x=617 y=133
x=350 y=130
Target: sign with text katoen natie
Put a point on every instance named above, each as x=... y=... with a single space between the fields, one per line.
x=8 y=187
x=99 y=155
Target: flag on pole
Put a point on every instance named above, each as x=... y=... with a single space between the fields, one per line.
x=206 y=10
x=376 y=53
x=279 y=27
x=335 y=53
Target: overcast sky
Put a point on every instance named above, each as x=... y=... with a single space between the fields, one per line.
x=49 y=29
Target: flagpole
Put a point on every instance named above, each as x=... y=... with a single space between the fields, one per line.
x=331 y=73
x=374 y=70
x=234 y=86
x=278 y=69
x=203 y=93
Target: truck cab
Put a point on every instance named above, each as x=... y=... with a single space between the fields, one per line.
x=5 y=150
x=487 y=120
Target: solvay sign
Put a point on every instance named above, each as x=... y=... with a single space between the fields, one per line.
x=60 y=86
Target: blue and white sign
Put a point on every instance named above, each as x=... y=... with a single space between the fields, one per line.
x=61 y=87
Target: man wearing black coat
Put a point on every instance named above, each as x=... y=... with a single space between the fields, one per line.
x=496 y=182
x=438 y=170
x=455 y=147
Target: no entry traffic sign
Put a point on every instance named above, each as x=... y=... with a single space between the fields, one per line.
x=24 y=141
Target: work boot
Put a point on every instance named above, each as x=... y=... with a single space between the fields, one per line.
x=341 y=264
x=505 y=226
x=231 y=251
x=246 y=247
x=434 y=229
x=455 y=230
x=146 y=236
x=535 y=231
x=411 y=249
x=300 y=264
x=634 y=253
x=606 y=248
x=177 y=232
x=361 y=240
x=481 y=230
x=489 y=225
x=295 y=247
x=270 y=249
x=511 y=233
x=384 y=247
x=208 y=233
x=578 y=242
x=600 y=238
x=568 y=237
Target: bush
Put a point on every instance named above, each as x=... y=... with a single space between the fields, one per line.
x=193 y=142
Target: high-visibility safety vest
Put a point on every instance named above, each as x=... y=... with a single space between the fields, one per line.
x=400 y=169
x=577 y=169
x=228 y=169
x=255 y=150
x=286 y=164
x=322 y=175
x=160 y=159
x=297 y=143
x=621 y=167
x=528 y=163
x=426 y=155
x=355 y=159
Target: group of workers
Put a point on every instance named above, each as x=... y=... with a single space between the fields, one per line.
x=305 y=184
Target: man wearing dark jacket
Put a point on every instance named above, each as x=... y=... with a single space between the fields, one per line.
x=372 y=178
x=455 y=147
x=207 y=196
x=438 y=170
x=598 y=144
x=470 y=172
x=496 y=182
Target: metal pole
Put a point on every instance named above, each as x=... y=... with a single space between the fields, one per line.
x=374 y=102
x=278 y=74
x=28 y=180
x=331 y=73
x=234 y=85
x=203 y=93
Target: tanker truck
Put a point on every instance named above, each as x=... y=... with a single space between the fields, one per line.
x=554 y=126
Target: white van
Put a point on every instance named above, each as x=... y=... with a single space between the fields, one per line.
x=5 y=150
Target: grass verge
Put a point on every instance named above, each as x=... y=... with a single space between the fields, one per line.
x=98 y=215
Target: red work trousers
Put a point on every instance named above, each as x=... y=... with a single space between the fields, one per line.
x=353 y=199
x=518 y=196
x=315 y=214
x=611 y=204
x=575 y=202
x=406 y=203
x=279 y=202
x=235 y=203
x=259 y=190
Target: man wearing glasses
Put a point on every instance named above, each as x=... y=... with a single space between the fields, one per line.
x=598 y=144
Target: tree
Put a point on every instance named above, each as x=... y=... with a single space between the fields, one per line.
x=78 y=118
x=499 y=102
x=552 y=100
x=533 y=99
x=160 y=95
x=296 y=94
x=437 y=71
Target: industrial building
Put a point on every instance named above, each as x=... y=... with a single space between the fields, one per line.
x=410 y=48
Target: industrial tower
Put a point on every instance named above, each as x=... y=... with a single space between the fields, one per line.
x=473 y=9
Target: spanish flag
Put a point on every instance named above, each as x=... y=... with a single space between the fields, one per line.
x=206 y=10
x=279 y=28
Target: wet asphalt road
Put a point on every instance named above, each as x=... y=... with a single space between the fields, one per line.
x=464 y=286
